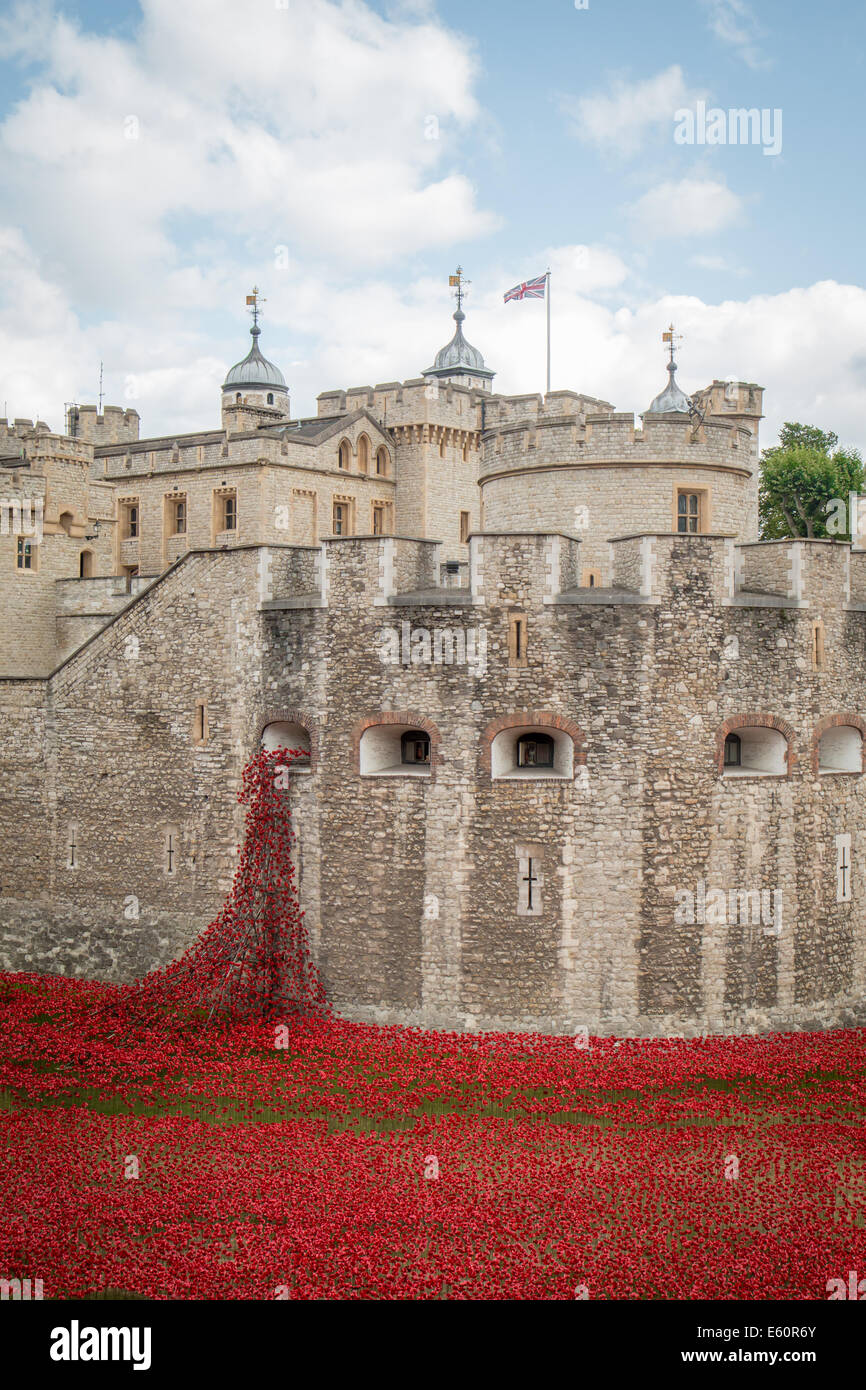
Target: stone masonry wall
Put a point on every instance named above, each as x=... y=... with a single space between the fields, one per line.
x=413 y=884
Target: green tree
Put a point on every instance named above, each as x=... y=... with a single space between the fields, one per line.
x=804 y=485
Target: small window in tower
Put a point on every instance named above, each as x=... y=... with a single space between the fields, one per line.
x=378 y=520
x=464 y=527
x=415 y=747
x=535 y=750
x=238 y=398
x=26 y=554
x=382 y=461
x=339 y=519
x=270 y=398
x=688 y=512
x=818 y=653
x=179 y=516
x=201 y=725
x=733 y=751
x=517 y=639
x=230 y=512
x=129 y=520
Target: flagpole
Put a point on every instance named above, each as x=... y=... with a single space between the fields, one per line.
x=548 y=329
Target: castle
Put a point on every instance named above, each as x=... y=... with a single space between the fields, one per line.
x=580 y=751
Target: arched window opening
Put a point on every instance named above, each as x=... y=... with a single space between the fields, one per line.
x=345 y=454
x=392 y=750
x=527 y=752
x=66 y=521
x=293 y=737
x=756 y=751
x=382 y=461
x=85 y=564
x=840 y=749
x=415 y=747
x=238 y=398
x=270 y=398
x=364 y=454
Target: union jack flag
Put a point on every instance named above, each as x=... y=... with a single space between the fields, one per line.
x=529 y=289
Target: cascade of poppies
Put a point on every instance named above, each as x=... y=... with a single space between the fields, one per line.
x=253 y=960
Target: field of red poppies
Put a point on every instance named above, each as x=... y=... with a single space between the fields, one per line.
x=331 y=1160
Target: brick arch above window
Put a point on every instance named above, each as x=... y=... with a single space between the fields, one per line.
x=836 y=721
x=292 y=716
x=410 y=719
x=756 y=720
x=533 y=719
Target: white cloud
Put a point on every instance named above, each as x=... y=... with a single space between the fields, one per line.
x=605 y=338
x=614 y=351
x=127 y=250
x=307 y=126
x=619 y=120
x=719 y=264
x=684 y=208
x=733 y=22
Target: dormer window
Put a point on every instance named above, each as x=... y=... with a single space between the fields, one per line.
x=535 y=750
x=415 y=747
x=733 y=751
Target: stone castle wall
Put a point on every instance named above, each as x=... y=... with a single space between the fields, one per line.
x=412 y=883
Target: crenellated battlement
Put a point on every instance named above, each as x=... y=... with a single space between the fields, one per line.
x=539 y=568
x=114 y=425
x=411 y=402
x=577 y=438
x=14 y=432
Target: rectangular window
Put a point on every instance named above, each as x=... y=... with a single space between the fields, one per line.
x=200 y=729
x=818 y=645
x=378 y=521
x=464 y=527
x=179 y=515
x=230 y=512
x=129 y=521
x=72 y=847
x=688 y=512
x=517 y=633
x=26 y=557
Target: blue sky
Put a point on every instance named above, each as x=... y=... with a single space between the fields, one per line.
x=158 y=159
